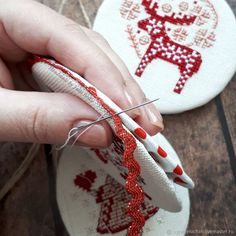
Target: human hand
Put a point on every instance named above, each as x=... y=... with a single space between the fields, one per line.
x=28 y=27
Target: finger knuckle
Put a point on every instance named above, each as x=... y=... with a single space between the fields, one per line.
x=38 y=127
x=71 y=27
x=97 y=37
x=118 y=97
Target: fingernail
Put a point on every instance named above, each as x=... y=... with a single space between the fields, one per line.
x=154 y=115
x=135 y=112
x=92 y=136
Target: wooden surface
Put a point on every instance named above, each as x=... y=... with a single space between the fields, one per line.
x=206 y=149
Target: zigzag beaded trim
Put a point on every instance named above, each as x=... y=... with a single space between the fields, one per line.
x=131 y=185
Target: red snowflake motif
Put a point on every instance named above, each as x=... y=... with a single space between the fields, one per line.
x=134 y=11
x=180 y=34
x=202 y=15
x=204 y=39
x=129 y=10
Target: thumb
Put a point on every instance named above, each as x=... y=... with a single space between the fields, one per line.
x=47 y=118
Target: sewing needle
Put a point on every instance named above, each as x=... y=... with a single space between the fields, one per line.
x=118 y=113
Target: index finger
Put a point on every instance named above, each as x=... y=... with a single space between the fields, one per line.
x=64 y=40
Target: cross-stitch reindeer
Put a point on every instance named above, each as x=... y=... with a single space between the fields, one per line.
x=187 y=59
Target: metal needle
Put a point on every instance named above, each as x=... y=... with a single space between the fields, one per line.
x=118 y=113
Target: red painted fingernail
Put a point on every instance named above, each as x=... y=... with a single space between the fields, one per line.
x=140 y=133
x=178 y=170
x=161 y=152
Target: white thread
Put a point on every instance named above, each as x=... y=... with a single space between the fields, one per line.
x=69 y=136
x=85 y=126
x=20 y=171
x=77 y=131
x=85 y=15
x=81 y=134
x=61 y=7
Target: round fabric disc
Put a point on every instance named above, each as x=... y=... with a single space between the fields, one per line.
x=158 y=167
x=182 y=52
x=91 y=202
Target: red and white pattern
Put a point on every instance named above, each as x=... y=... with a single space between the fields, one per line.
x=89 y=94
x=113 y=154
x=174 y=49
x=160 y=155
x=113 y=199
x=162 y=47
x=163 y=158
x=165 y=37
x=126 y=154
x=80 y=180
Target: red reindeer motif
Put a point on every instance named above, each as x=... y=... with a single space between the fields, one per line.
x=187 y=59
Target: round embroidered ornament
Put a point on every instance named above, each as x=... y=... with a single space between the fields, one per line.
x=140 y=172
x=182 y=52
x=92 y=202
